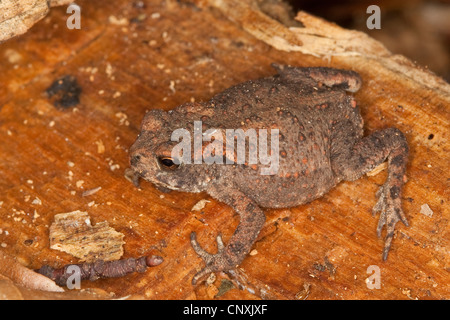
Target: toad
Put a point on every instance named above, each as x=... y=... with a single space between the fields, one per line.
x=319 y=143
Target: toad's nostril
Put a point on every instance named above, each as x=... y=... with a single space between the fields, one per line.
x=135 y=159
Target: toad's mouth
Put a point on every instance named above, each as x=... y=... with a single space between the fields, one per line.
x=134 y=174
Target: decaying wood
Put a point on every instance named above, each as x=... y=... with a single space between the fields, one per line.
x=23 y=276
x=72 y=232
x=324 y=39
x=12 y=290
x=17 y=16
x=130 y=57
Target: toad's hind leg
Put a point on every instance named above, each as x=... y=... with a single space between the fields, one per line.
x=365 y=155
x=347 y=79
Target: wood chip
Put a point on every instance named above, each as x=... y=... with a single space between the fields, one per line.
x=100 y=146
x=200 y=205
x=426 y=210
x=37 y=201
x=91 y=191
x=118 y=21
x=304 y=293
x=16 y=17
x=73 y=233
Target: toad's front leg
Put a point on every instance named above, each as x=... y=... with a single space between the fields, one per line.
x=228 y=257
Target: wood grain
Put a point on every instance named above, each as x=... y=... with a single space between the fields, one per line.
x=129 y=58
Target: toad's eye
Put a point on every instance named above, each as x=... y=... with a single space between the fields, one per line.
x=167 y=163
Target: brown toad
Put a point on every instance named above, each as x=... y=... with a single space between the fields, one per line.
x=319 y=143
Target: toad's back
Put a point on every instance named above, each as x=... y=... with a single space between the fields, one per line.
x=308 y=116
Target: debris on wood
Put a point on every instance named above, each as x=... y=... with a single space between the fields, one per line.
x=100 y=146
x=304 y=293
x=200 y=205
x=9 y=290
x=100 y=269
x=16 y=17
x=91 y=191
x=25 y=277
x=426 y=210
x=73 y=233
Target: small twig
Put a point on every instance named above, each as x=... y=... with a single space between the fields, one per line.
x=101 y=269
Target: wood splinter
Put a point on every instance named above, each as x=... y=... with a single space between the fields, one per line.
x=100 y=269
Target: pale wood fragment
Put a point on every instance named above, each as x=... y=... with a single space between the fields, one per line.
x=17 y=16
x=73 y=233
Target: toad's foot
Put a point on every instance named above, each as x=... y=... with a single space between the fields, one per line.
x=391 y=212
x=214 y=262
x=230 y=256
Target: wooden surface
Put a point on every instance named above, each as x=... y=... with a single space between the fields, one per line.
x=128 y=59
